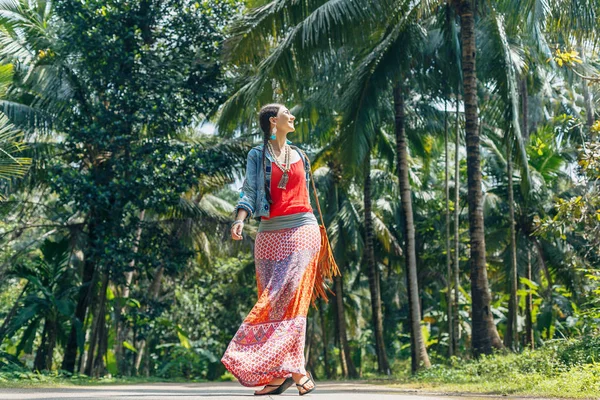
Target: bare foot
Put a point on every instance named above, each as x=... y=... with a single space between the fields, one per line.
x=269 y=389
x=303 y=380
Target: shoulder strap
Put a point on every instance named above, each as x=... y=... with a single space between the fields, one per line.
x=312 y=181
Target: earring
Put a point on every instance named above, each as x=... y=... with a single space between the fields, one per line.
x=273 y=131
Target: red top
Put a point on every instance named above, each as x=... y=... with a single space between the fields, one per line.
x=294 y=198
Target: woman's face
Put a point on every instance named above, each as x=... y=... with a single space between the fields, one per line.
x=284 y=120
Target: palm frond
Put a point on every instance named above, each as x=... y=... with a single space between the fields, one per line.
x=505 y=77
x=295 y=52
x=11 y=165
x=369 y=80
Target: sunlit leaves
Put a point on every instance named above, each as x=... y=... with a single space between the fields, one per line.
x=567 y=58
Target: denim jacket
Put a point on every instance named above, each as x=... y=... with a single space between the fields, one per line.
x=252 y=196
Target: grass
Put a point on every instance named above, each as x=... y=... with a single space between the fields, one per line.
x=564 y=369
x=16 y=379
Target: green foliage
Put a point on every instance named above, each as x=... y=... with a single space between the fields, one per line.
x=48 y=300
x=539 y=372
x=211 y=302
x=580 y=352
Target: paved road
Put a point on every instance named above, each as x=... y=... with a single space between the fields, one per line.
x=227 y=391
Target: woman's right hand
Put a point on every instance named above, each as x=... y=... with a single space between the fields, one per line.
x=236 y=231
x=237 y=227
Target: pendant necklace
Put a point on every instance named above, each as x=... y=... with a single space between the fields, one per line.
x=285 y=177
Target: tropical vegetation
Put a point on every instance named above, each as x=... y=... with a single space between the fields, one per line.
x=454 y=144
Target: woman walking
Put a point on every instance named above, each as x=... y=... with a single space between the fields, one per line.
x=268 y=348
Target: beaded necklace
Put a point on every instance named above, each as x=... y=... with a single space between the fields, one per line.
x=284 y=178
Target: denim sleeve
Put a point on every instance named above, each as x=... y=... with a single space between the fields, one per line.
x=247 y=199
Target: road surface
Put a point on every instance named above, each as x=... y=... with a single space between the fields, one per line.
x=230 y=391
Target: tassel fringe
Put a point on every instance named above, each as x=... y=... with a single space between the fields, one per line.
x=283 y=181
x=326 y=269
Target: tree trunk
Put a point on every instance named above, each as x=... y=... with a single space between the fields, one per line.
x=447 y=211
x=310 y=329
x=512 y=337
x=373 y=270
x=83 y=356
x=43 y=356
x=348 y=368
x=95 y=364
x=529 y=297
x=85 y=290
x=484 y=334
x=153 y=292
x=420 y=357
x=121 y=330
x=456 y=330
x=529 y=340
x=324 y=340
x=99 y=367
x=589 y=109
x=524 y=110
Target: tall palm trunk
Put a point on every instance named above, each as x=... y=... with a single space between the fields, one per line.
x=512 y=339
x=419 y=353
x=456 y=330
x=324 y=339
x=524 y=110
x=373 y=270
x=348 y=368
x=484 y=333
x=447 y=211
x=529 y=341
x=310 y=333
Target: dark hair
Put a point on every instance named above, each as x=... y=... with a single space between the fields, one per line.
x=265 y=113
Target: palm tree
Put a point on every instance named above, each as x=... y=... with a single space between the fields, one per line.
x=373 y=272
x=11 y=165
x=418 y=345
x=443 y=57
x=484 y=333
x=501 y=68
x=11 y=139
x=48 y=301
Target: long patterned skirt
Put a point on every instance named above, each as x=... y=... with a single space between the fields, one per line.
x=270 y=342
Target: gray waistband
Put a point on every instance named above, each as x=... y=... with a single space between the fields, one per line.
x=287 y=221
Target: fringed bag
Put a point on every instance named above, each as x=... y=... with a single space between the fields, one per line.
x=326 y=265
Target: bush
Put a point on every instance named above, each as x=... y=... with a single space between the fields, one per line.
x=580 y=352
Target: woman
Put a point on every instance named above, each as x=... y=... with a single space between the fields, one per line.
x=268 y=348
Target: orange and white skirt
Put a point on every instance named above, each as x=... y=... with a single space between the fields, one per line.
x=270 y=342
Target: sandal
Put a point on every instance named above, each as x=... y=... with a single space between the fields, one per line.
x=280 y=388
x=310 y=379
